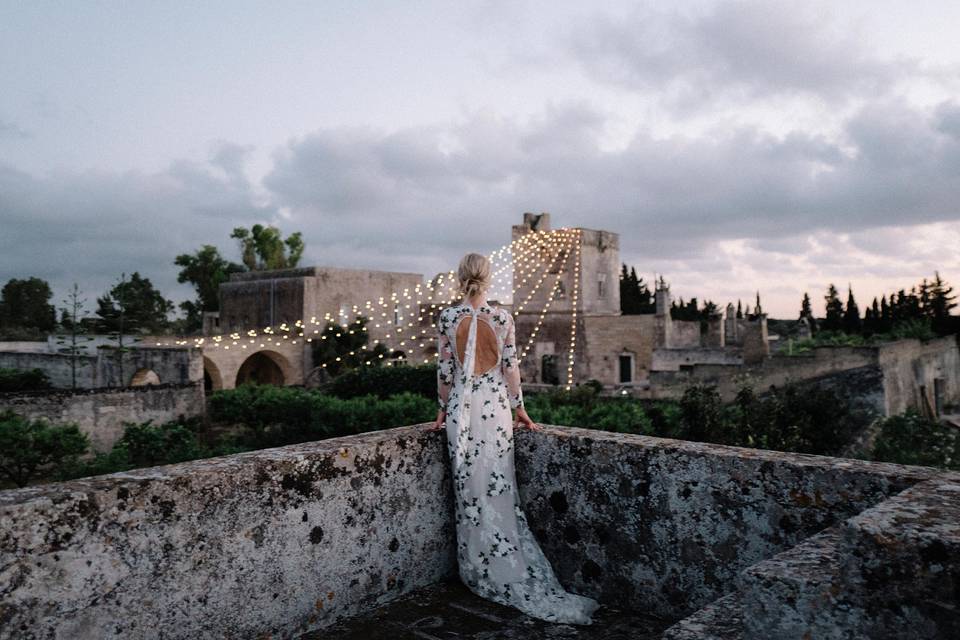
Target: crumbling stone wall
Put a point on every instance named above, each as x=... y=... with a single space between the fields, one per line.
x=180 y=365
x=101 y=413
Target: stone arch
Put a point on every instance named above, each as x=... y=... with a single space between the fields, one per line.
x=264 y=367
x=212 y=379
x=144 y=377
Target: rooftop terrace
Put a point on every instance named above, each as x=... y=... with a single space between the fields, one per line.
x=676 y=539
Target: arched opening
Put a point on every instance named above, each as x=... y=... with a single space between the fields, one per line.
x=211 y=376
x=262 y=367
x=144 y=377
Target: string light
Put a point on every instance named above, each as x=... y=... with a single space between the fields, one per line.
x=573 y=310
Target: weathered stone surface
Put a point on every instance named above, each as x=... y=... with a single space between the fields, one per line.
x=450 y=611
x=286 y=541
x=666 y=525
x=900 y=564
x=278 y=541
x=102 y=413
x=722 y=619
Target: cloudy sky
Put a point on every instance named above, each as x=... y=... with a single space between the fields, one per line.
x=734 y=146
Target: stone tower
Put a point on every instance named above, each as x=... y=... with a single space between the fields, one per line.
x=663 y=321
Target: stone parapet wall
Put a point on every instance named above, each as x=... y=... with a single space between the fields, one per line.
x=274 y=542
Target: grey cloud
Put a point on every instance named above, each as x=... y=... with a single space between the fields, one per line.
x=12 y=130
x=91 y=226
x=738 y=49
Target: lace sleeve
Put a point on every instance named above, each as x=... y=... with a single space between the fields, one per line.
x=444 y=366
x=510 y=366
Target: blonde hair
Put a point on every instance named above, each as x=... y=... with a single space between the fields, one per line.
x=474 y=274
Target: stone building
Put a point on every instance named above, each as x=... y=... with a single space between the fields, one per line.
x=280 y=298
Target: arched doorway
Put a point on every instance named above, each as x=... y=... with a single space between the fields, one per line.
x=262 y=367
x=212 y=380
x=144 y=377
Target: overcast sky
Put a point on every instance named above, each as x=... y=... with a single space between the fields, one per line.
x=734 y=146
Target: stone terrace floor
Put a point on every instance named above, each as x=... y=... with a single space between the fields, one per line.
x=449 y=611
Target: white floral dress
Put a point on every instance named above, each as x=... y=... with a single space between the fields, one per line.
x=499 y=559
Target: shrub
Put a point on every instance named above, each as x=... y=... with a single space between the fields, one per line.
x=385 y=381
x=17 y=380
x=910 y=438
x=31 y=447
x=273 y=416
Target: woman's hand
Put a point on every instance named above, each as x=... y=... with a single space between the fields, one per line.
x=438 y=425
x=524 y=419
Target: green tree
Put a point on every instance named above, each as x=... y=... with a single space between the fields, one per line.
x=31 y=447
x=206 y=270
x=339 y=348
x=263 y=247
x=72 y=343
x=133 y=305
x=851 y=316
x=805 y=310
x=25 y=304
x=834 y=308
x=941 y=303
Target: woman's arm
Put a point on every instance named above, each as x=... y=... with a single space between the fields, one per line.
x=510 y=368
x=444 y=376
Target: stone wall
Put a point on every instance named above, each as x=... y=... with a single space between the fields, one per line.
x=666 y=525
x=605 y=338
x=282 y=541
x=909 y=370
x=673 y=359
x=271 y=543
x=684 y=334
x=101 y=413
x=180 y=365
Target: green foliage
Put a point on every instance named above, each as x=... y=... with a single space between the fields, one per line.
x=206 y=270
x=910 y=438
x=133 y=305
x=342 y=348
x=19 y=380
x=834 y=309
x=263 y=247
x=25 y=309
x=272 y=416
x=583 y=407
x=635 y=295
x=146 y=444
x=383 y=382
x=31 y=447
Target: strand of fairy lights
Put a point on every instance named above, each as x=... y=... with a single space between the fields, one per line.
x=546 y=307
x=539 y=242
x=299 y=325
x=536 y=258
x=573 y=311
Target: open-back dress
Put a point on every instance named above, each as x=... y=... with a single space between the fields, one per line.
x=478 y=380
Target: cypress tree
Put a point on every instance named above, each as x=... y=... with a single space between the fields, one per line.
x=851 y=317
x=834 y=310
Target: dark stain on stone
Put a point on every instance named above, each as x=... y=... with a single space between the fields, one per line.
x=591 y=571
x=558 y=500
x=316 y=535
x=571 y=534
x=305 y=517
x=123 y=493
x=356 y=483
x=935 y=552
x=394 y=545
x=299 y=481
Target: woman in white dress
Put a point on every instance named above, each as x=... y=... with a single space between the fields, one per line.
x=478 y=379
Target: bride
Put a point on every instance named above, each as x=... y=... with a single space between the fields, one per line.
x=478 y=380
